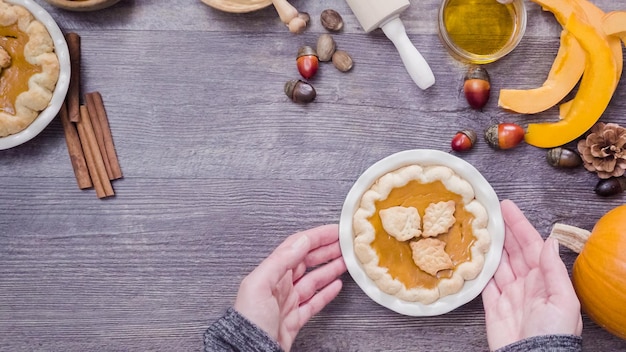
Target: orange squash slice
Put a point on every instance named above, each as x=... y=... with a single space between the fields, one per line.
x=568 y=65
x=565 y=73
x=598 y=18
x=594 y=93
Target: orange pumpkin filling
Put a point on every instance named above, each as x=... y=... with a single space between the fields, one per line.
x=14 y=79
x=396 y=256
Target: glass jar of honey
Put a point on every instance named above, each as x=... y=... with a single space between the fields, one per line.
x=481 y=31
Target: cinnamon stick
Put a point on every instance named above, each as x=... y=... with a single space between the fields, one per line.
x=97 y=128
x=91 y=164
x=116 y=171
x=73 y=93
x=99 y=177
x=75 y=150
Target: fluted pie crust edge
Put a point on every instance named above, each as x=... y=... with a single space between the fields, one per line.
x=364 y=232
x=39 y=50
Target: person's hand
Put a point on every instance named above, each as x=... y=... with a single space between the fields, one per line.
x=280 y=296
x=531 y=293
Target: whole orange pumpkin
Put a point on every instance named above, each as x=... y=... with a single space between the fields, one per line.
x=599 y=273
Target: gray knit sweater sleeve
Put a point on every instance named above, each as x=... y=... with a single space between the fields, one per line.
x=234 y=333
x=546 y=343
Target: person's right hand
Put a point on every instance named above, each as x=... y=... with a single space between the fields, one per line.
x=282 y=294
x=531 y=293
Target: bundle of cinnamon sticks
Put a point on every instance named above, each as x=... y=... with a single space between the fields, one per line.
x=87 y=132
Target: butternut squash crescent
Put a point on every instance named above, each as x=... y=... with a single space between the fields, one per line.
x=565 y=72
x=594 y=93
x=567 y=68
x=597 y=18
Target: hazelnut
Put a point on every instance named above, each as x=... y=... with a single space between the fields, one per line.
x=331 y=20
x=342 y=61
x=325 y=47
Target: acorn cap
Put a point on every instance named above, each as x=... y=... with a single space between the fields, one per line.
x=491 y=136
x=306 y=50
x=477 y=72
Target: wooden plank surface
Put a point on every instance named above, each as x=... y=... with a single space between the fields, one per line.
x=220 y=167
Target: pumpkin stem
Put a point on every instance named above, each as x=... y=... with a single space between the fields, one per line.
x=571 y=237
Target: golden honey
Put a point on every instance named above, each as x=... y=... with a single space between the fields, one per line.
x=481 y=31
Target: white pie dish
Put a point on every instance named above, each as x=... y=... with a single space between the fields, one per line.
x=60 y=91
x=483 y=193
x=84 y=5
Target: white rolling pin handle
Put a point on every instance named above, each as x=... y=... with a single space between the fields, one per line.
x=415 y=64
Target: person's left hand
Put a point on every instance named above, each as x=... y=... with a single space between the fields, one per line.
x=280 y=296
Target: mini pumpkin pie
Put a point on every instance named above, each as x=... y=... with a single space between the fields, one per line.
x=29 y=68
x=420 y=233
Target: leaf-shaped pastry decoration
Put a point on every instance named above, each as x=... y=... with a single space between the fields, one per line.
x=438 y=218
x=430 y=256
x=403 y=223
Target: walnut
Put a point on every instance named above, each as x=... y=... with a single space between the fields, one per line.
x=604 y=150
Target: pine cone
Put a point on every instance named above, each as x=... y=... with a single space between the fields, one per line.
x=604 y=150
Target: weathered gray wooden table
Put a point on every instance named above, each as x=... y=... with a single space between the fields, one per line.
x=220 y=167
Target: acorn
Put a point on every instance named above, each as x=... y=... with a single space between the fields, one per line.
x=300 y=91
x=477 y=87
x=307 y=61
x=563 y=158
x=504 y=135
x=610 y=186
x=463 y=140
